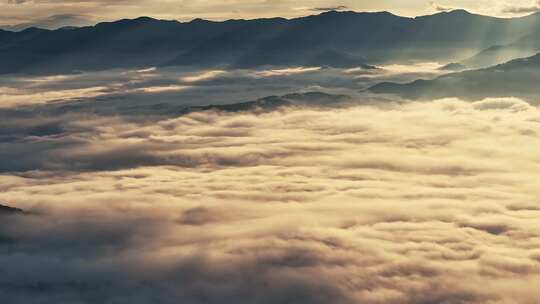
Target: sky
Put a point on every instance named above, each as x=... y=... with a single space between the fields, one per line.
x=79 y=12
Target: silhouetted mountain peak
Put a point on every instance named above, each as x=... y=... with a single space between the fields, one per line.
x=352 y=14
x=144 y=19
x=454 y=14
x=383 y=13
x=458 y=12
x=200 y=21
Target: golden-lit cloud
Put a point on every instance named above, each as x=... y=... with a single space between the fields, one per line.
x=421 y=69
x=421 y=202
x=287 y=72
x=15 y=97
x=208 y=75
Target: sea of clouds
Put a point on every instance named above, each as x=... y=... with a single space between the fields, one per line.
x=405 y=203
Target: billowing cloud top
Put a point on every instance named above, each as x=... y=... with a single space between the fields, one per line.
x=416 y=203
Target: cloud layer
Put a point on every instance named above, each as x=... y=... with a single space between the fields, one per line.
x=523 y=8
x=402 y=203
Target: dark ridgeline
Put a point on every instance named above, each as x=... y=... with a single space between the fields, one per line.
x=5 y=210
x=271 y=103
x=339 y=39
x=268 y=103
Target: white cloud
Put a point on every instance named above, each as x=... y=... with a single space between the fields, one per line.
x=356 y=205
x=287 y=71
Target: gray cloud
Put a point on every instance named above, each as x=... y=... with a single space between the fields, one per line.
x=330 y=8
x=440 y=8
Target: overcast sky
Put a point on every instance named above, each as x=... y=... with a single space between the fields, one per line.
x=24 y=11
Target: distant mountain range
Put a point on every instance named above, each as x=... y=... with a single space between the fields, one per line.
x=268 y=103
x=60 y=21
x=337 y=39
x=525 y=46
x=274 y=102
x=516 y=78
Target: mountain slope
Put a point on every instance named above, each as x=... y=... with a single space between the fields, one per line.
x=5 y=210
x=525 y=46
x=499 y=54
x=343 y=39
x=517 y=78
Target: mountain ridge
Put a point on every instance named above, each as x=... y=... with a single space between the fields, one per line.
x=329 y=12
x=144 y=41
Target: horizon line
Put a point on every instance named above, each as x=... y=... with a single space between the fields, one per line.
x=6 y=27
